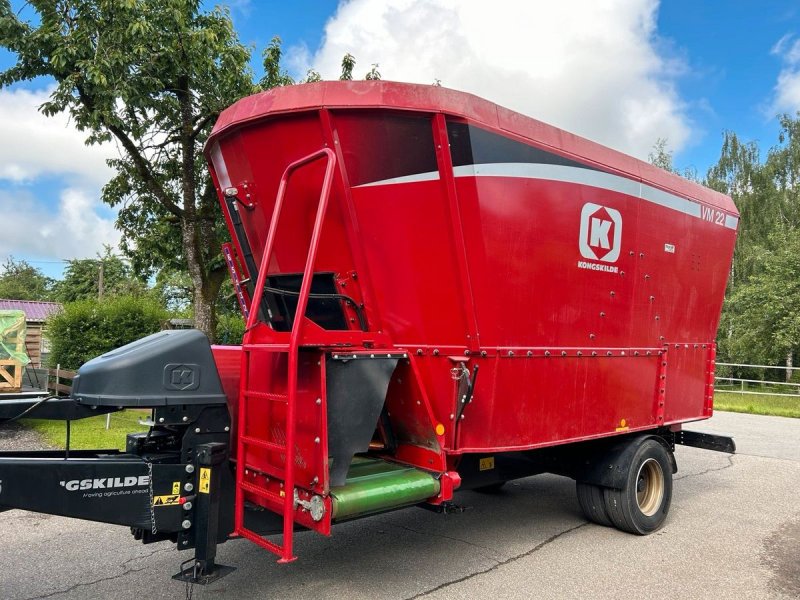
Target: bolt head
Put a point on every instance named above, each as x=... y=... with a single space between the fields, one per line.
x=161 y=419
x=185 y=419
x=186 y=524
x=190 y=468
x=187 y=506
x=227 y=428
x=189 y=486
x=197 y=430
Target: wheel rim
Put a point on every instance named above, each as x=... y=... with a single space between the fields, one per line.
x=650 y=487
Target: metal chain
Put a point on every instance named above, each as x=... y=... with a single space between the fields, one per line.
x=152 y=506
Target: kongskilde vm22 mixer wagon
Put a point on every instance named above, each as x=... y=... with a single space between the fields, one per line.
x=440 y=294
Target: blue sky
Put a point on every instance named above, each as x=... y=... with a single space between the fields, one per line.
x=622 y=72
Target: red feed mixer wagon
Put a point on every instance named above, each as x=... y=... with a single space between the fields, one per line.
x=440 y=294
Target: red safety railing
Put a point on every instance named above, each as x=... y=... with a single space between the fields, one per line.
x=292 y=348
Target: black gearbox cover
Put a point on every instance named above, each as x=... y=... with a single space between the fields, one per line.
x=166 y=368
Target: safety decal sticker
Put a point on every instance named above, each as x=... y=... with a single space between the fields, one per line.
x=171 y=500
x=205 y=480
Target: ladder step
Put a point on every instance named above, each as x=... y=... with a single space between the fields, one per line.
x=251 y=441
x=268 y=470
x=264 y=543
x=267 y=396
x=264 y=493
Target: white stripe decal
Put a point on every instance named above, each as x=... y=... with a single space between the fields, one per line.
x=429 y=176
x=589 y=177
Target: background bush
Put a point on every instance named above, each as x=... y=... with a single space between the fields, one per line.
x=230 y=329
x=88 y=328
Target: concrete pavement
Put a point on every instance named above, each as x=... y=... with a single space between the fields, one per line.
x=733 y=532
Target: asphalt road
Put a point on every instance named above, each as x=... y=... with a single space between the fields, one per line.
x=733 y=532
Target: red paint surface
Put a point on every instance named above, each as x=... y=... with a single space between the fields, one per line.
x=480 y=268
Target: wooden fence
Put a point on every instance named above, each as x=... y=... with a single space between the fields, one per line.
x=55 y=379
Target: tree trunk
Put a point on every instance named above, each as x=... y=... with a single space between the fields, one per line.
x=789 y=366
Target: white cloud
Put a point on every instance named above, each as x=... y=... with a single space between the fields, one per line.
x=787 y=89
x=73 y=230
x=593 y=68
x=35 y=145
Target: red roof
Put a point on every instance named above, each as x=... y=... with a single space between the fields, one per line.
x=34 y=311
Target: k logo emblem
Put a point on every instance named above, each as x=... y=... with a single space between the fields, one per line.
x=181 y=377
x=601 y=232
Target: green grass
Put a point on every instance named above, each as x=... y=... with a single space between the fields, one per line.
x=757 y=404
x=91 y=433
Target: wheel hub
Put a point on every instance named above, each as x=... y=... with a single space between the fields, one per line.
x=650 y=487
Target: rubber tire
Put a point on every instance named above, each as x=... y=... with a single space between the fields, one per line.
x=492 y=488
x=621 y=505
x=593 y=504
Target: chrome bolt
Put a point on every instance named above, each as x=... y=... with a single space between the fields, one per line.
x=187 y=506
x=186 y=524
x=185 y=419
x=227 y=428
x=189 y=486
x=190 y=468
x=161 y=419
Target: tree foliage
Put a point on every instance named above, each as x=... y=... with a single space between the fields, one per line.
x=21 y=281
x=761 y=322
x=88 y=328
x=82 y=279
x=762 y=309
x=151 y=75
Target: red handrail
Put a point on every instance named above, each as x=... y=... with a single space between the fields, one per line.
x=269 y=246
x=294 y=339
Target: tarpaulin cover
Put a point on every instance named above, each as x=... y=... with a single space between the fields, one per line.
x=12 y=336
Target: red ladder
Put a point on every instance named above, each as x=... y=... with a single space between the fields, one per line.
x=280 y=343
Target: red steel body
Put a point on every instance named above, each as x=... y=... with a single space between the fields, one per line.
x=586 y=284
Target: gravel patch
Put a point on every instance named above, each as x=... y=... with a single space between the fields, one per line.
x=14 y=436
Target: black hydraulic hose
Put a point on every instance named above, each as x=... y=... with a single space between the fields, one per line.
x=247 y=253
x=362 y=320
x=29 y=409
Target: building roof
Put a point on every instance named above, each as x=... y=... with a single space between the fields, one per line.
x=34 y=311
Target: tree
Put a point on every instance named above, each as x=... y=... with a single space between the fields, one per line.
x=152 y=75
x=83 y=278
x=20 y=281
x=274 y=74
x=763 y=314
x=348 y=64
x=760 y=316
x=661 y=156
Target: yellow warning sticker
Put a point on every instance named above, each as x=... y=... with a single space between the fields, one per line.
x=176 y=487
x=171 y=500
x=486 y=464
x=205 y=480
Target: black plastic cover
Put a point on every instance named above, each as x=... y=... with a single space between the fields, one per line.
x=166 y=368
x=356 y=392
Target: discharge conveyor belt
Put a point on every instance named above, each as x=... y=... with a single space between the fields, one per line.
x=374 y=486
